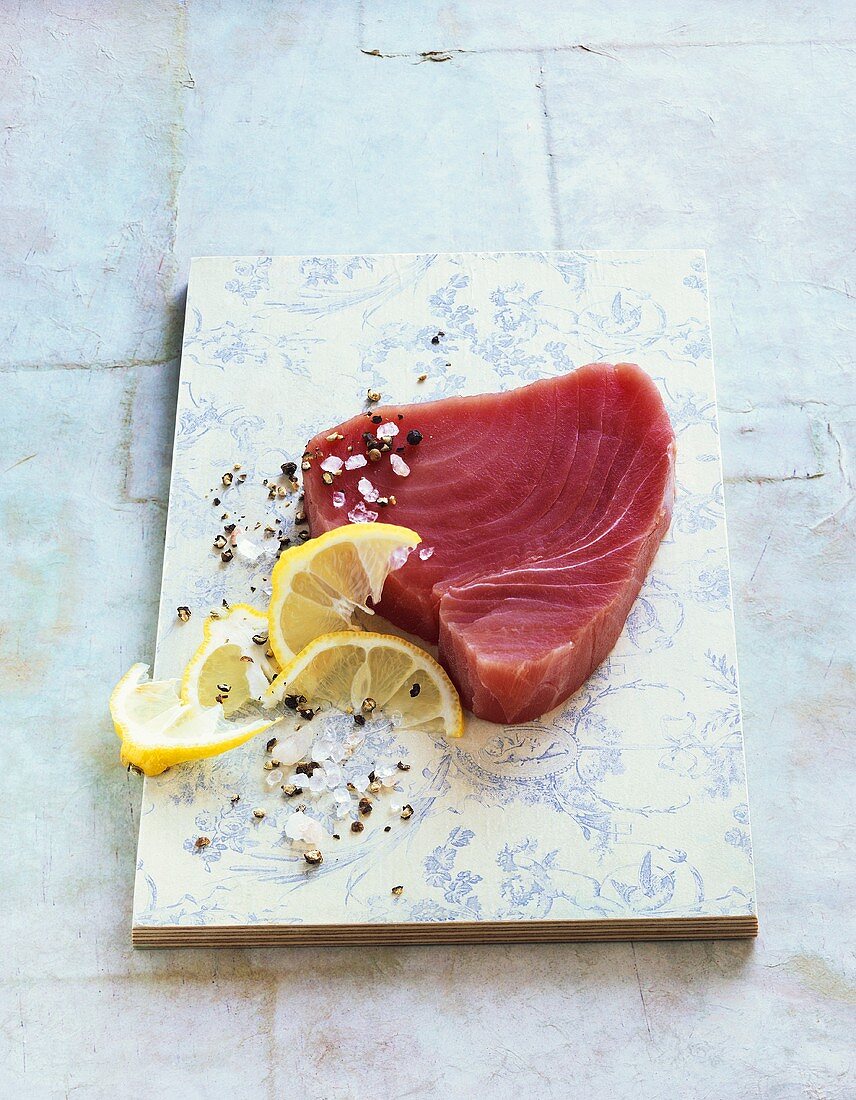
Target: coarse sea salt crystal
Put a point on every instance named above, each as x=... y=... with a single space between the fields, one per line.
x=360 y=514
x=387 y=431
x=300 y=826
x=332 y=465
x=247 y=549
x=426 y=552
x=368 y=491
x=338 y=499
x=399 y=466
x=325 y=802
x=356 y=462
x=323 y=748
x=292 y=747
x=315 y=782
x=399 y=556
x=273 y=778
x=333 y=775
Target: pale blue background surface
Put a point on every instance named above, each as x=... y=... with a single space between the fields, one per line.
x=136 y=136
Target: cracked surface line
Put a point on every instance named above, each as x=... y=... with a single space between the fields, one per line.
x=417 y=58
x=361 y=25
x=20 y=462
x=552 y=178
x=840 y=455
x=845 y=473
x=175 y=316
x=601 y=49
x=119 y=364
x=641 y=994
x=771 y=479
x=761 y=558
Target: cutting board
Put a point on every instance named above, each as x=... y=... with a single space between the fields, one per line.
x=623 y=814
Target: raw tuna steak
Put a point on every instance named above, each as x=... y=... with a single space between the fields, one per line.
x=540 y=512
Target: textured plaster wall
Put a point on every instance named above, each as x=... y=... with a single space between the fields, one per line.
x=134 y=136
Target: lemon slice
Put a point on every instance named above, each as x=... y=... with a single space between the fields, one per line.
x=349 y=669
x=158 y=730
x=318 y=587
x=231 y=666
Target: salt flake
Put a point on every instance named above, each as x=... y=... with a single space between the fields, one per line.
x=332 y=465
x=338 y=499
x=300 y=826
x=368 y=491
x=360 y=514
x=426 y=552
x=333 y=776
x=387 y=431
x=355 y=462
x=399 y=466
x=323 y=748
x=247 y=549
x=292 y=747
x=316 y=782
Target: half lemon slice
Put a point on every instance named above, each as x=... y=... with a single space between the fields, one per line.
x=158 y=730
x=319 y=587
x=374 y=671
x=232 y=666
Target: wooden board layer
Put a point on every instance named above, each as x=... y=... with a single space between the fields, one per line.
x=602 y=931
